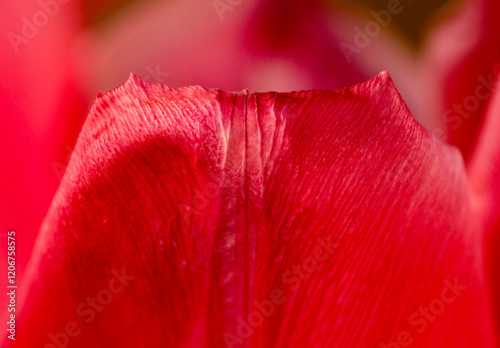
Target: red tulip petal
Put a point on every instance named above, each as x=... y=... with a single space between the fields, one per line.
x=484 y=171
x=305 y=219
x=459 y=69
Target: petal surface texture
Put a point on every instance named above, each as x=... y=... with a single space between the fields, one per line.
x=194 y=217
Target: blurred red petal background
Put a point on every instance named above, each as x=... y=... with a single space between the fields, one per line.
x=42 y=110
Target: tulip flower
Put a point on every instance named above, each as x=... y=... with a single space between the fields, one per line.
x=47 y=45
x=198 y=217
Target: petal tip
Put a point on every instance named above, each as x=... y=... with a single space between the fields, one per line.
x=383 y=82
x=134 y=80
x=384 y=79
